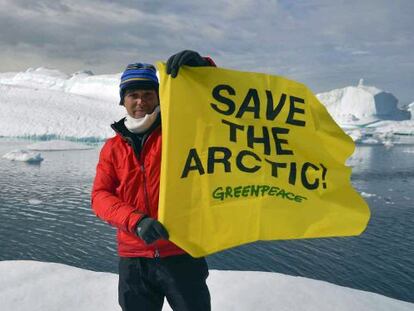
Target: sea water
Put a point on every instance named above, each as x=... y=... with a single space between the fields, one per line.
x=45 y=215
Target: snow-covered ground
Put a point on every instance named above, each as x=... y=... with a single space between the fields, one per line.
x=38 y=286
x=48 y=104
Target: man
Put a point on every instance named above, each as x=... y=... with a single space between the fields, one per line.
x=125 y=194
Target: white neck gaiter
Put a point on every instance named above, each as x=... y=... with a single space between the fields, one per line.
x=141 y=125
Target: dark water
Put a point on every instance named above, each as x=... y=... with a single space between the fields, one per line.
x=45 y=215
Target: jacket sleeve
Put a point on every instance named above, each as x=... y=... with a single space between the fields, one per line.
x=105 y=204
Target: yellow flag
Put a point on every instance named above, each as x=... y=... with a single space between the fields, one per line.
x=249 y=156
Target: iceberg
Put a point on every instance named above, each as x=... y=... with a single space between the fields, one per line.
x=370 y=115
x=361 y=105
x=411 y=109
x=41 y=77
x=23 y=156
x=104 y=87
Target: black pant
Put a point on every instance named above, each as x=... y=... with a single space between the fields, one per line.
x=144 y=282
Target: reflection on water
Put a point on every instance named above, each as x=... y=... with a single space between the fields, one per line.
x=46 y=216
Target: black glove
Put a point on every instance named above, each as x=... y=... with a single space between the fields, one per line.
x=186 y=57
x=151 y=230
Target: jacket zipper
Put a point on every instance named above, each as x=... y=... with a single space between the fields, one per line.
x=147 y=205
x=143 y=143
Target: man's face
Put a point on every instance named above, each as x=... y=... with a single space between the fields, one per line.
x=138 y=103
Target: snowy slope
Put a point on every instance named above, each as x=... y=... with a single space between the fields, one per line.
x=37 y=286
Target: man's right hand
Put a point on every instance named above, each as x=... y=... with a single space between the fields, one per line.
x=151 y=230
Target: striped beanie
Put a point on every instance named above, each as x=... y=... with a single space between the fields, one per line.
x=138 y=76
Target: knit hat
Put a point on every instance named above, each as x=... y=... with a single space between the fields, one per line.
x=138 y=76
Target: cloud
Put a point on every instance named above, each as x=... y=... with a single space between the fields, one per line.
x=322 y=43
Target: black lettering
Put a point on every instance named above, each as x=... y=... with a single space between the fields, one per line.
x=212 y=158
x=233 y=129
x=258 y=140
x=275 y=166
x=324 y=171
x=305 y=181
x=293 y=109
x=231 y=107
x=292 y=173
x=192 y=156
x=242 y=167
x=279 y=142
x=251 y=94
x=271 y=113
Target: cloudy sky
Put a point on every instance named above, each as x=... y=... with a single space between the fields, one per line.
x=325 y=44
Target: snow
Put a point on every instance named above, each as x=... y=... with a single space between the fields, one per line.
x=23 y=156
x=47 y=104
x=31 y=285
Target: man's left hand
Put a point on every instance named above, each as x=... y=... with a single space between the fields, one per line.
x=186 y=57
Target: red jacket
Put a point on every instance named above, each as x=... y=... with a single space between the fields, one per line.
x=126 y=188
